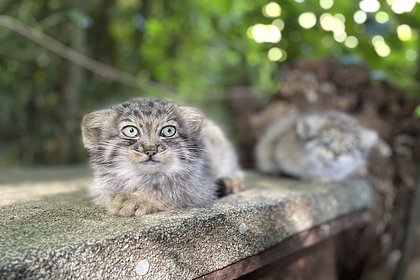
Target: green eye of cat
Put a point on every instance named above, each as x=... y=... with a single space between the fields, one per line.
x=130 y=131
x=168 y=131
x=327 y=139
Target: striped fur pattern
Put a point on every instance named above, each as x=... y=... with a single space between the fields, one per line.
x=150 y=155
x=321 y=146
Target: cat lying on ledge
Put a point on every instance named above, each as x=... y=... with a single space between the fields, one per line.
x=321 y=146
x=150 y=155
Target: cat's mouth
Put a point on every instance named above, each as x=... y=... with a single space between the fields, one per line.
x=150 y=161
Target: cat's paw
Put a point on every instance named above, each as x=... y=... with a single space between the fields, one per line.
x=231 y=184
x=130 y=204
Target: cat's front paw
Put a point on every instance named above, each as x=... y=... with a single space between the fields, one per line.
x=130 y=204
x=231 y=184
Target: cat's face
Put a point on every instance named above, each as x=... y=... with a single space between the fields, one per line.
x=334 y=153
x=336 y=150
x=145 y=135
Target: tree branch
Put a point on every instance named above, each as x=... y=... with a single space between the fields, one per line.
x=77 y=58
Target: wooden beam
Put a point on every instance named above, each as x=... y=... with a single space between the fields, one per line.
x=291 y=248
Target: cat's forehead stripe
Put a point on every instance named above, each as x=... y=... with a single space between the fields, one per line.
x=144 y=106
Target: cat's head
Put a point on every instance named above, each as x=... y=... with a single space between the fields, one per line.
x=334 y=142
x=145 y=135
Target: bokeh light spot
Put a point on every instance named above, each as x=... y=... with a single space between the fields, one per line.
x=404 y=32
x=411 y=55
x=340 y=36
x=341 y=18
x=327 y=22
x=381 y=47
x=274 y=54
x=307 y=20
x=402 y=6
x=381 y=17
x=377 y=38
x=272 y=9
x=369 y=6
x=43 y=60
x=326 y=4
x=335 y=24
x=279 y=23
x=359 y=17
x=263 y=33
x=351 y=42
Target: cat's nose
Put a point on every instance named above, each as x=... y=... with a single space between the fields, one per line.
x=150 y=152
x=336 y=153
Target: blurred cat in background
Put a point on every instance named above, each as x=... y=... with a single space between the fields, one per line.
x=322 y=146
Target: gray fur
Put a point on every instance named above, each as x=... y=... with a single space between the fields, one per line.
x=186 y=173
x=329 y=146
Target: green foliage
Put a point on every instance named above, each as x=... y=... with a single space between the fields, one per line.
x=197 y=47
x=417 y=111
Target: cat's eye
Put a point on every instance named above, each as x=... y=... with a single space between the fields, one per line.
x=168 y=131
x=327 y=139
x=130 y=131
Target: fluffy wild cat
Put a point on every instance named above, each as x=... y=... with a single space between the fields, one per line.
x=150 y=155
x=322 y=146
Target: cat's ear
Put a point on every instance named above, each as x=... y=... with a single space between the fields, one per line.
x=308 y=125
x=93 y=125
x=368 y=138
x=194 y=117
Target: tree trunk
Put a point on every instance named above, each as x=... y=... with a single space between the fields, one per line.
x=71 y=95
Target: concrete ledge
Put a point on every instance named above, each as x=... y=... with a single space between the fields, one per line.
x=64 y=236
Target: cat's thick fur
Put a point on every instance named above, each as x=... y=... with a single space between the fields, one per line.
x=150 y=155
x=320 y=146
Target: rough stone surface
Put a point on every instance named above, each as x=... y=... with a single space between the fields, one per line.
x=64 y=236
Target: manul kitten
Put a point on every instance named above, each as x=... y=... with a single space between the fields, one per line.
x=321 y=146
x=150 y=155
